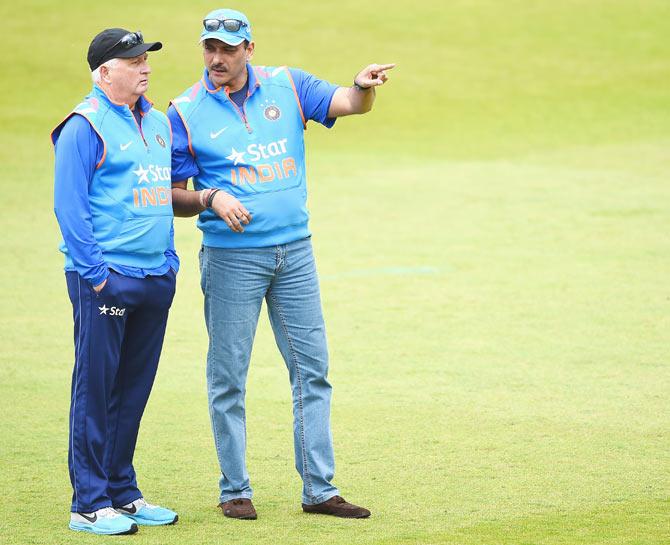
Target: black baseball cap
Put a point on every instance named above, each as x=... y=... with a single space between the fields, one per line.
x=118 y=43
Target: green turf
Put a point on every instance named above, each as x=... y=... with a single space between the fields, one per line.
x=493 y=246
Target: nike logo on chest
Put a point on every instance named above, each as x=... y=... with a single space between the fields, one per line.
x=216 y=134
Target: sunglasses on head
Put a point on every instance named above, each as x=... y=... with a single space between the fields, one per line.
x=130 y=40
x=229 y=25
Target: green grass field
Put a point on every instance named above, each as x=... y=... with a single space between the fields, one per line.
x=494 y=254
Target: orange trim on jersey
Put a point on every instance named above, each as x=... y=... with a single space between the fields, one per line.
x=142 y=112
x=104 y=148
x=188 y=132
x=204 y=84
x=51 y=134
x=104 y=144
x=297 y=99
x=170 y=127
x=255 y=69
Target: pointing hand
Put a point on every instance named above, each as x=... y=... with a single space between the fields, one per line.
x=373 y=75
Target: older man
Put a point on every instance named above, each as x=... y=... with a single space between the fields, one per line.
x=238 y=133
x=113 y=205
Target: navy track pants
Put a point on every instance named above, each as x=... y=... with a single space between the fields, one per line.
x=118 y=336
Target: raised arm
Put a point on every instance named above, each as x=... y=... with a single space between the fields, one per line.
x=358 y=98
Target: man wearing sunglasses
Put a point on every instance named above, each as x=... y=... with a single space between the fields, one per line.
x=238 y=133
x=113 y=204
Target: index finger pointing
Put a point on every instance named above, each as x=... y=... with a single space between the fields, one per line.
x=380 y=67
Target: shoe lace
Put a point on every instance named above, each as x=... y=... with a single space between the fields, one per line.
x=144 y=503
x=238 y=501
x=107 y=512
x=141 y=502
x=339 y=499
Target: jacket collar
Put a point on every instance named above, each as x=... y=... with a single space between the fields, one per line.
x=251 y=75
x=143 y=103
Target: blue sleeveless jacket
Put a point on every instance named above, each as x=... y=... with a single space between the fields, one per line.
x=130 y=193
x=256 y=153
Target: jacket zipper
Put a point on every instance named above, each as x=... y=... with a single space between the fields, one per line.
x=241 y=112
x=139 y=128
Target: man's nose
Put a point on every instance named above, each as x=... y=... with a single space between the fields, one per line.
x=218 y=57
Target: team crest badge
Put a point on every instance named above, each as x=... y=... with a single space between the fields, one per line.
x=272 y=113
x=160 y=140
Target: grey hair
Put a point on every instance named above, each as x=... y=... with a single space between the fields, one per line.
x=95 y=75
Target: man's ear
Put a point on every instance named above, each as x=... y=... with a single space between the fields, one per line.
x=104 y=74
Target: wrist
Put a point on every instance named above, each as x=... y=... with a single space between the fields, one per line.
x=360 y=87
x=99 y=280
x=97 y=288
x=210 y=197
x=203 y=195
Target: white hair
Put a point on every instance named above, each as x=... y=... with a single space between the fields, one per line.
x=95 y=75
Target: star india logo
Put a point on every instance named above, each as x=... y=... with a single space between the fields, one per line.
x=111 y=311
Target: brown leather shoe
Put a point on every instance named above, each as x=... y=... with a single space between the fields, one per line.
x=239 y=508
x=338 y=507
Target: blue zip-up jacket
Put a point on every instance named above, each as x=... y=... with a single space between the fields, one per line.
x=112 y=189
x=255 y=153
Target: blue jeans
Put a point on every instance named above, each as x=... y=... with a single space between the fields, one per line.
x=234 y=282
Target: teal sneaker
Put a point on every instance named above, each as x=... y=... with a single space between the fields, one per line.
x=145 y=514
x=105 y=521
